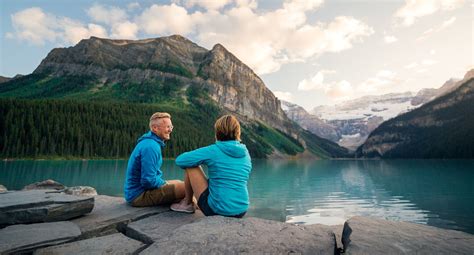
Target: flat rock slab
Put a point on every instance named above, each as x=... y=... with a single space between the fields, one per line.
x=23 y=238
x=32 y=206
x=112 y=213
x=159 y=226
x=221 y=235
x=111 y=244
x=46 y=184
x=363 y=235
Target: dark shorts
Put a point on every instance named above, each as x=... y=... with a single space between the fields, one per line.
x=163 y=195
x=206 y=209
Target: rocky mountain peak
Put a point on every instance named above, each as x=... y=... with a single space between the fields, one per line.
x=469 y=74
x=230 y=82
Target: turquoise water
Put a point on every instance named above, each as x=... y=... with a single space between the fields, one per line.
x=434 y=192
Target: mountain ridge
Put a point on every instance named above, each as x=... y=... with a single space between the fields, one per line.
x=441 y=128
x=171 y=71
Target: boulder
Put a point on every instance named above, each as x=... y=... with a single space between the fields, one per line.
x=111 y=214
x=222 y=235
x=111 y=244
x=363 y=235
x=159 y=226
x=3 y=189
x=84 y=191
x=32 y=206
x=25 y=238
x=46 y=184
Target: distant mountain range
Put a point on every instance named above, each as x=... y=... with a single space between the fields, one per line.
x=441 y=128
x=176 y=73
x=349 y=123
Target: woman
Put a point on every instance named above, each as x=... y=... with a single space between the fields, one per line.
x=229 y=165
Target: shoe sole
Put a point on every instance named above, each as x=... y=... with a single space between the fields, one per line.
x=180 y=210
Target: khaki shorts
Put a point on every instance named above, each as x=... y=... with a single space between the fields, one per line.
x=163 y=195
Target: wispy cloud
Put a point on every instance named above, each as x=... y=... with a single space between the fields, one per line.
x=431 y=31
x=382 y=82
x=411 y=65
x=415 y=9
x=337 y=90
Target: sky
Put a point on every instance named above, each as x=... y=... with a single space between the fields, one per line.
x=309 y=52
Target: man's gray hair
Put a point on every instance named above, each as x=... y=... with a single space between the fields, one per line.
x=154 y=119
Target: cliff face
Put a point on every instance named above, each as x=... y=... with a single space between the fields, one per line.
x=310 y=122
x=229 y=82
x=441 y=128
x=235 y=86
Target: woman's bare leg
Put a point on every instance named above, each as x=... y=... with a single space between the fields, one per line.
x=195 y=183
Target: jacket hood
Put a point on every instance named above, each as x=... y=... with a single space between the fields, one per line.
x=232 y=148
x=152 y=136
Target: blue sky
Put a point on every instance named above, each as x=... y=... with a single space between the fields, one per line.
x=310 y=52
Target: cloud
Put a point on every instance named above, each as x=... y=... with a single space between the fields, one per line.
x=390 y=39
x=37 y=27
x=414 y=9
x=206 y=4
x=381 y=82
x=286 y=96
x=264 y=50
x=411 y=65
x=165 y=19
x=338 y=90
x=264 y=40
x=34 y=25
x=108 y=15
x=133 y=6
x=124 y=30
x=431 y=31
x=316 y=82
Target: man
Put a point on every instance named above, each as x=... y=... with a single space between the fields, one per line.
x=144 y=185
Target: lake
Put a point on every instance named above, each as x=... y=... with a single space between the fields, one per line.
x=434 y=192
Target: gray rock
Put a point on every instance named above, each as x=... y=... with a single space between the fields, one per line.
x=34 y=206
x=46 y=184
x=112 y=213
x=159 y=226
x=111 y=244
x=336 y=229
x=85 y=191
x=24 y=238
x=363 y=235
x=221 y=235
x=3 y=189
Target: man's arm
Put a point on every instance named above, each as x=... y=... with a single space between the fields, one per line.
x=150 y=156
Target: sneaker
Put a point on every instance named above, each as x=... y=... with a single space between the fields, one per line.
x=183 y=207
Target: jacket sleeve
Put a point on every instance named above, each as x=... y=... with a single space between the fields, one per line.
x=194 y=158
x=150 y=156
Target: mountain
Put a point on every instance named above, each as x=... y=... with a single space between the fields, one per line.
x=4 y=79
x=310 y=122
x=171 y=72
x=349 y=123
x=441 y=128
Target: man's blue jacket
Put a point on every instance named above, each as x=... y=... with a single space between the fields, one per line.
x=144 y=166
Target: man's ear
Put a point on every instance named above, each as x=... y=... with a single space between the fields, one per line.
x=154 y=128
